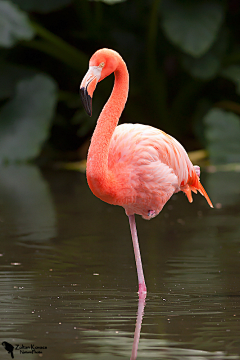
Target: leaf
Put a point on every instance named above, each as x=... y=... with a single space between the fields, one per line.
x=14 y=25
x=224 y=187
x=233 y=73
x=25 y=120
x=192 y=25
x=42 y=6
x=207 y=66
x=9 y=76
x=203 y=68
x=110 y=2
x=223 y=135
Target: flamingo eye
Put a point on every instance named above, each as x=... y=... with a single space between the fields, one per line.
x=101 y=64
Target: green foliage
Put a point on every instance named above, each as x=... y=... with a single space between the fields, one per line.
x=233 y=73
x=14 y=25
x=43 y=6
x=203 y=18
x=207 y=66
x=25 y=119
x=110 y=2
x=10 y=75
x=180 y=54
x=223 y=135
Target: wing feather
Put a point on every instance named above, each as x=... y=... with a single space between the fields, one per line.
x=150 y=166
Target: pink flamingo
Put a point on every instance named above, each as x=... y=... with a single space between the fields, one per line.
x=135 y=166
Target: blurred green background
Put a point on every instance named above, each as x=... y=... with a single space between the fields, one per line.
x=184 y=62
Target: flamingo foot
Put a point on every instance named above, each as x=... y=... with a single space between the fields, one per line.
x=151 y=213
x=197 y=169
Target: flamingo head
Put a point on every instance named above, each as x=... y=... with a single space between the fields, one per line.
x=103 y=63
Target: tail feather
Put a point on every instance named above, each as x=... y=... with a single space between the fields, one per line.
x=204 y=193
x=194 y=190
x=194 y=185
x=188 y=192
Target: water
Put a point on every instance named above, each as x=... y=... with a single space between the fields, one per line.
x=68 y=280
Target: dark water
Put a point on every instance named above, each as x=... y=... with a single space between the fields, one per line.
x=68 y=280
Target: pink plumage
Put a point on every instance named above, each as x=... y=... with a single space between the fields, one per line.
x=150 y=165
x=135 y=166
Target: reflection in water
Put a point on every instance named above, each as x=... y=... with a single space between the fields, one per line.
x=116 y=344
x=141 y=305
x=26 y=203
x=70 y=286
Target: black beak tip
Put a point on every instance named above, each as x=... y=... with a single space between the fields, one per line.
x=86 y=100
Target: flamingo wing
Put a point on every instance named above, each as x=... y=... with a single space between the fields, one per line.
x=150 y=166
x=145 y=181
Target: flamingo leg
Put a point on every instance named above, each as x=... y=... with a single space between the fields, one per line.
x=140 y=313
x=141 y=281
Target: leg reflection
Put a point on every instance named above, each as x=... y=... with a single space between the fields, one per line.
x=141 y=305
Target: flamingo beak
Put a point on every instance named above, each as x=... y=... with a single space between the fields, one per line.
x=87 y=87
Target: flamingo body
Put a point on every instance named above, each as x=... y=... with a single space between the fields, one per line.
x=135 y=166
x=151 y=166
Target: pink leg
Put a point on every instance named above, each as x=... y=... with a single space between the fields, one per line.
x=141 y=304
x=141 y=280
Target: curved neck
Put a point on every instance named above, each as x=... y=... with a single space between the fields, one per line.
x=97 y=162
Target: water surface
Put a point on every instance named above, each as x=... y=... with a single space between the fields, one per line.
x=68 y=280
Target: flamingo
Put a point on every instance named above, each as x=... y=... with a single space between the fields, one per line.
x=135 y=166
